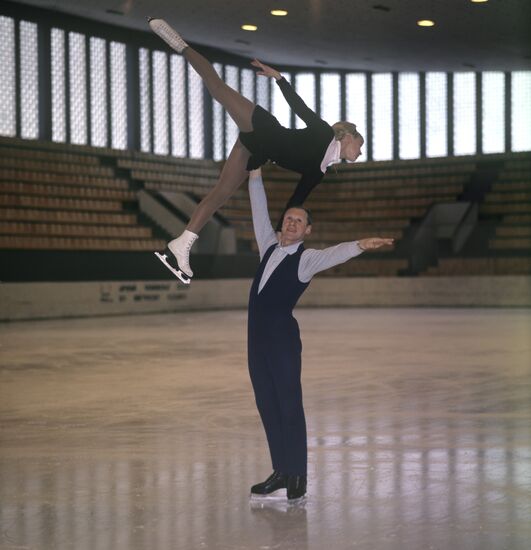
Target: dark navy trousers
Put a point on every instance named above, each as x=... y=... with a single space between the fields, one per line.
x=274 y=353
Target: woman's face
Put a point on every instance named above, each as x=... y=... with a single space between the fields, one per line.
x=351 y=147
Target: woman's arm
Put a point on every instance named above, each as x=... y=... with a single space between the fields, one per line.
x=294 y=100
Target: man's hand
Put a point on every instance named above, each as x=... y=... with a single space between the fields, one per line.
x=266 y=70
x=373 y=243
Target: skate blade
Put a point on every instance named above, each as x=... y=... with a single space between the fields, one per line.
x=177 y=272
x=279 y=494
x=297 y=501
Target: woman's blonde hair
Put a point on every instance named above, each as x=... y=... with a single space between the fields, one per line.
x=342 y=128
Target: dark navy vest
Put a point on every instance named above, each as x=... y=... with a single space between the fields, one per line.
x=271 y=310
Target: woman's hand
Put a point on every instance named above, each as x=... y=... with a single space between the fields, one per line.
x=266 y=70
x=373 y=243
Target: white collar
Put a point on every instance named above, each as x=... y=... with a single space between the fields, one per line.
x=331 y=155
x=291 y=248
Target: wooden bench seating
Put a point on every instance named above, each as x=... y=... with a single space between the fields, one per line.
x=513 y=231
x=49 y=156
x=208 y=171
x=73 y=243
x=61 y=179
x=349 y=227
x=517 y=218
x=514 y=243
x=316 y=204
x=517 y=165
x=69 y=230
x=67 y=216
x=71 y=197
x=339 y=215
x=56 y=167
x=52 y=203
x=508 y=196
x=503 y=186
x=506 y=208
x=332 y=237
x=32 y=189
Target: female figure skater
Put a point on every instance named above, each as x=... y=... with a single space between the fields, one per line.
x=307 y=151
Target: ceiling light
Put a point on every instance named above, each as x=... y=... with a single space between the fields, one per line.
x=479 y=1
x=425 y=23
x=279 y=13
x=249 y=27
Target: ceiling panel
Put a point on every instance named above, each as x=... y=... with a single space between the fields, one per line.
x=351 y=34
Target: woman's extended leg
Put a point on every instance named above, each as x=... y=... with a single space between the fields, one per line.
x=239 y=108
x=234 y=173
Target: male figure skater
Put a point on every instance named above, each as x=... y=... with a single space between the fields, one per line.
x=274 y=345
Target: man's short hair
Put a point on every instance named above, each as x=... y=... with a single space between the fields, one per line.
x=309 y=218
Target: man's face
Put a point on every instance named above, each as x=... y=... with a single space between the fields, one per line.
x=295 y=225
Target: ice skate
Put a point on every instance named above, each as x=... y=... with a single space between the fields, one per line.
x=274 y=487
x=169 y=35
x=296 y=489
x=176 y=256
x=167 y=258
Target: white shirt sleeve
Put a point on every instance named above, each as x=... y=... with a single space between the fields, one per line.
x=313 y=261
x=263 y=230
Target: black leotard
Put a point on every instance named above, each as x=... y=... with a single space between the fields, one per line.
x=301 y=150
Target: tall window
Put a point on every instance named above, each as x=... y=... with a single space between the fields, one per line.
x=263 y=91
x=98 y=92
x=493 y=112
x=280 y=107
x=330 y=97
x=356 y=105
x=195 y=114
x=465 y=114
x=436 y=115
x=77 y=66
x=8 y=120
x=89 y=100
x=118 y=96
x=247 y=87
x=145 y=99
x=408 y=116
x=160 y=103
x=29 y=81
x=305 y=87
x=382 y=116
x=217 y=122
x=521 y=111
x=178 y=106
x=231 y=130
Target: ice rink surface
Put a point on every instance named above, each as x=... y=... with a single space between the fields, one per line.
x=141 y=433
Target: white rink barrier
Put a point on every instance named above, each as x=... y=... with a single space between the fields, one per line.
x=20 y=301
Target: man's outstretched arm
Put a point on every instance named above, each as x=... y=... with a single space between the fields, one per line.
x=313 y=261
x=263 y=230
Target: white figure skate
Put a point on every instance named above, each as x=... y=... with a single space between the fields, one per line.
x=166 y=257
x=176 y=257
x=169 y=35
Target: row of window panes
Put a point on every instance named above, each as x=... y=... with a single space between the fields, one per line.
x=356 y=104
x=82 y=102
x=172 y=101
